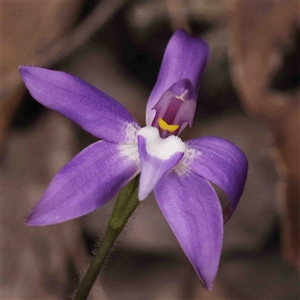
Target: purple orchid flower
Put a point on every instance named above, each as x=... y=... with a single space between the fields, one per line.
x=179 y=173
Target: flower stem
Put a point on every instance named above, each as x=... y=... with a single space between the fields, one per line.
x=126 y=203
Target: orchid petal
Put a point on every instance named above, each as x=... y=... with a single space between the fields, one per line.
x=81 y=102
x=87 y=182
x=220 y=162
x=157 y=157
x=185 y=58
x=193 y=211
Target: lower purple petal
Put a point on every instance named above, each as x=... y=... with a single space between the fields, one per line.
x=87 y=182
x=220 y=162
x=193 y=211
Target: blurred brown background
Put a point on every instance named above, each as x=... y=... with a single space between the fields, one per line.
x=249 y=95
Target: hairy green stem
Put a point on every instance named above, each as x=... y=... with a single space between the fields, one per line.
x=126 y=204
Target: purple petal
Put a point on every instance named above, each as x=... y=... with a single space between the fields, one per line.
x=193 y=211
x=220 y=162
x=157 y=157
x=87 y=182
x=81 y=102
x=185 y=58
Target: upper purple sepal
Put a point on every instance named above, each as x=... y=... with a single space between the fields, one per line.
x=185 y=58
x=93 y=110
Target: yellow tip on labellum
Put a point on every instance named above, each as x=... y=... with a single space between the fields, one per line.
x=165 y=126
